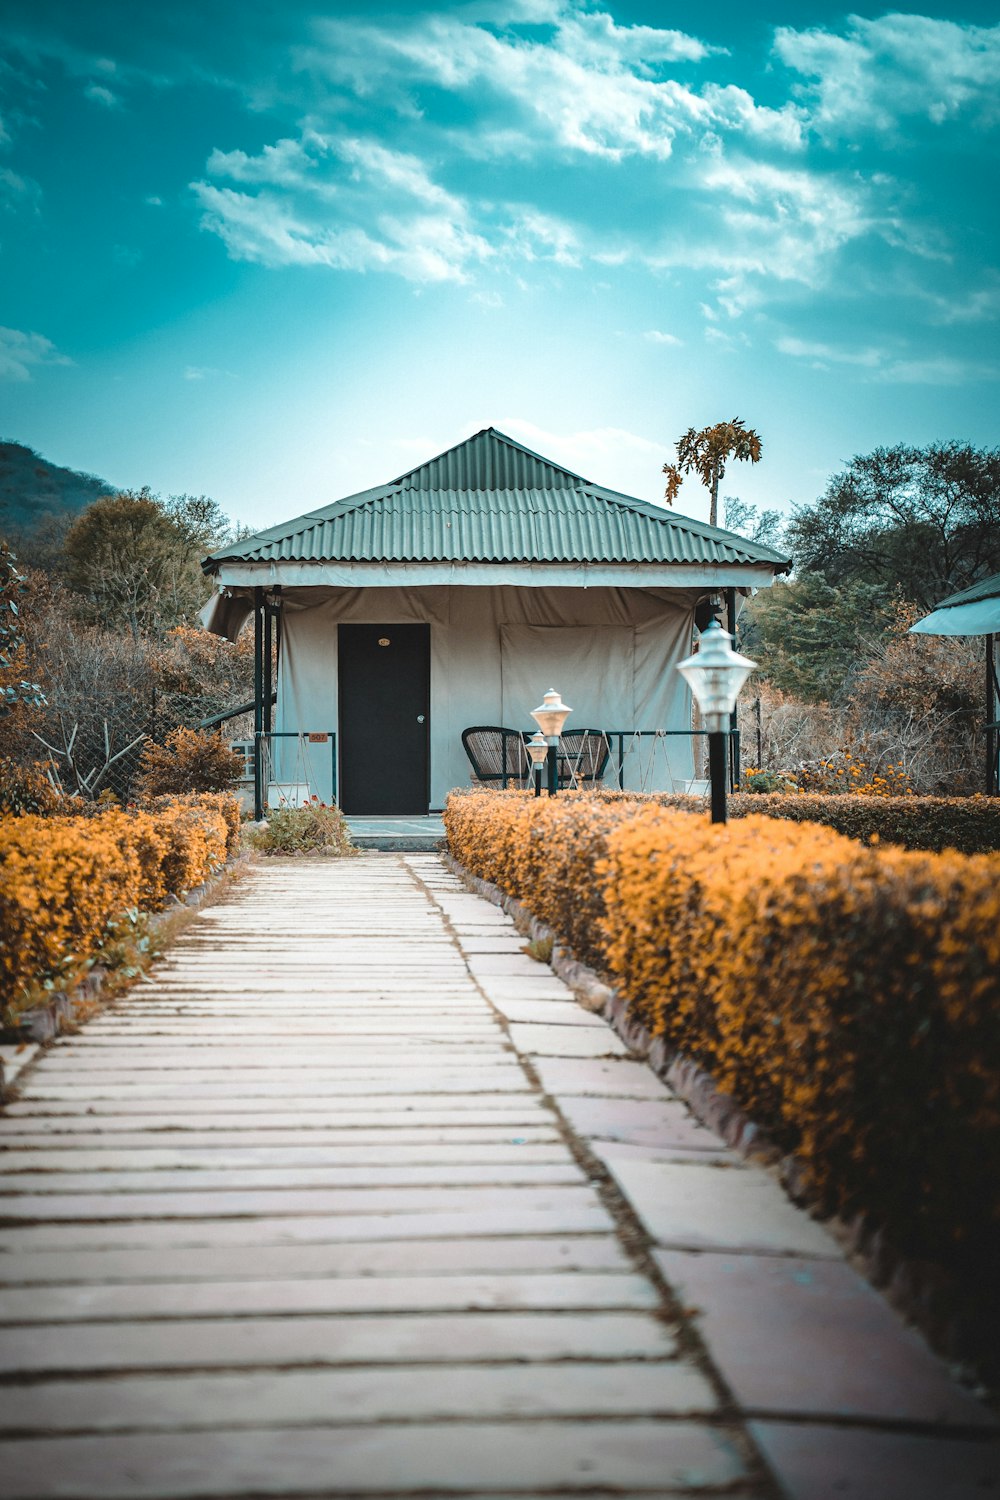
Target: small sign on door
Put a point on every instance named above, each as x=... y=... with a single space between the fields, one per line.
x=319 y=739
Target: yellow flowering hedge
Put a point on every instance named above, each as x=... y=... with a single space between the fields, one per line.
x=847 y=996
x=65 y=881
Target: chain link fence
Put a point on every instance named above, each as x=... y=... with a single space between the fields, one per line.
x=96 y=748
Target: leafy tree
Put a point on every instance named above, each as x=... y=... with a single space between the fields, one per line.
x=764 y=526
x=706 y=453
x=925 y=521
x=133 y=559
x=808 y=634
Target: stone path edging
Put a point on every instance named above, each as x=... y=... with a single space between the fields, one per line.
x=921 y=1291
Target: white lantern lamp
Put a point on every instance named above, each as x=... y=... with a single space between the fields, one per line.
x=538 y=751
x=715 y=675
x=550 y=716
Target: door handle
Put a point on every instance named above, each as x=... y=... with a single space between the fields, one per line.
x=420 y=718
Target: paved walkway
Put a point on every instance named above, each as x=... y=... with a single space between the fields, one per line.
x=353 y=1199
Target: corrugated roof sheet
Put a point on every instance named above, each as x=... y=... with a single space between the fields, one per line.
x=986 y=588
x=490 y=500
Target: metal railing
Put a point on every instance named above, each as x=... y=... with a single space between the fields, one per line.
x=265 y=780
x=623 y=743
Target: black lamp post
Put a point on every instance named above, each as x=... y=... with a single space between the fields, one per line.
x=550 y=716
x=715 y=674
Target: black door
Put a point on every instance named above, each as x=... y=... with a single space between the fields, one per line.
x=385 y=673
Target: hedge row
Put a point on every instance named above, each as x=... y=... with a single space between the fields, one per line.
x=66 y=881
x=969 y=824
x=848 y=997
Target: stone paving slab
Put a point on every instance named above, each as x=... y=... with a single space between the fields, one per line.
x=346 y=1294
x=856 y=1463
x=662 y=1123
x=228 y=1343
x=526 y=1214
x=872 y=1366
x=246 y=1204
x=562 y=1041
x=715 y=1207
x=403 y=1257
x=302 y=1398
x=60 y=1165
x=75 y=1136
x=353 y=1461
x=217 y=1180
x=384 y=1110
x=610 y=1079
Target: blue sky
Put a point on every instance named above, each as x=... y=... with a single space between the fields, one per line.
x=278 y=253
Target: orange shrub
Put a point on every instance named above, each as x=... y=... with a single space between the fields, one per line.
x=848 y=997
x=61 y=881
x=189 y=760
x=66 y=881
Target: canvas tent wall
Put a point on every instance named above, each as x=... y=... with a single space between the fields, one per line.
x=528 y=576
x=494 y=652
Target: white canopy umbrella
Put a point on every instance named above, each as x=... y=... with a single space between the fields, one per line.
x=975 y=611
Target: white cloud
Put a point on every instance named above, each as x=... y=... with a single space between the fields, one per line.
x=823 y=354
x=20 y=353
x=421 y=247
x=349 y=203
x=591 y=88
x=888 y=368
x=654 y=336
x=103 y=96
x=204 y=372
x=17 y=191
x=775 y=224
x=885 y=70
x=533 y=236
x=943 y=369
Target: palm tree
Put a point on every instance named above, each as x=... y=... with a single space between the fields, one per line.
x=706 y=453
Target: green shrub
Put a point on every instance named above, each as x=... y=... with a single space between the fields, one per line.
x=315 y=828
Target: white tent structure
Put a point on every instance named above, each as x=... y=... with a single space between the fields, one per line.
x=455 y=596
x=976 y=611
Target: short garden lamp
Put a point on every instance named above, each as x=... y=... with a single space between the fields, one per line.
x=715 y=674
x=538 y=750
x=550 y=716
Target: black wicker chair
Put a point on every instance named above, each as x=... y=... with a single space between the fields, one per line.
x=497 y=755
x=583 y=756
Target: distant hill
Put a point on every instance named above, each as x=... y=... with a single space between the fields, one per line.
x=34 y=492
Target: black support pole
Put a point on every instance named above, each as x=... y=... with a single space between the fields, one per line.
x=537 y=772
x=258 y=701
x=735 y=768
x=266 y=722
x=992 y=718
x=717 y=773
x=553 y=761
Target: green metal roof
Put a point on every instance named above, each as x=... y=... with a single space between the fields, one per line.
x=490 y=500
x=986 y=588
